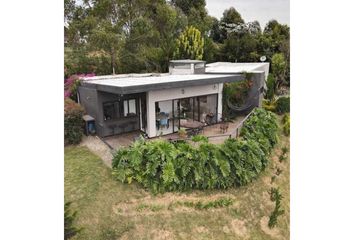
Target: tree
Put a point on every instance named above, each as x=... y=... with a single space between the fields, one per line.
x=190 y=44
x=231 y=16
x=279 y=69
x=241 y=42
x=196 y=13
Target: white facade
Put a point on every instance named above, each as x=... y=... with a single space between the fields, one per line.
x=176 y=93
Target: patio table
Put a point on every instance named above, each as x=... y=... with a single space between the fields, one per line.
x=191 y=124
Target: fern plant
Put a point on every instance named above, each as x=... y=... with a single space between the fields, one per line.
x=163 y=166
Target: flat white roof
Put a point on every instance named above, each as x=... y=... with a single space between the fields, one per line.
x=130 y=80
x=136 y=83
x=228 y=67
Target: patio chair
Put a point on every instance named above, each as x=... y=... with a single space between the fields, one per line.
x=164 y=122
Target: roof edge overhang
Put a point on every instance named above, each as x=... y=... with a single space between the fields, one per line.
x=165 y=85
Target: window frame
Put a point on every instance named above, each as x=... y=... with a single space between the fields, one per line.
x=128 y=106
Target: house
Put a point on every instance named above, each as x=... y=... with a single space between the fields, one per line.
x=189 y=96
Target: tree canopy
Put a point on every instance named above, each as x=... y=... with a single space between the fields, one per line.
x=122 y=36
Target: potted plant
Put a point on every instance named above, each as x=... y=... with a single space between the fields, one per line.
x=182 y=133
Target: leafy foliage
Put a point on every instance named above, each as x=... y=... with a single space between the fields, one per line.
x=163 y=166
x=270 y=87
x=275 y=196
x=123 y=36
x=200 y=138
x=286 y=122
x=73 y=122
x=71 y=84
x=189 y=45
x=69 y=217
x=283 y=105
x=279 y=67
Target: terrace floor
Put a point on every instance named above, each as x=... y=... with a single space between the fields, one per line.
x=213 y=132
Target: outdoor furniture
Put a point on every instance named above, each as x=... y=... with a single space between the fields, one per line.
x=89 y=125
x=194 y=131
x=209 y=118
x=162 y=120
x=191 y=124
x=224 y=127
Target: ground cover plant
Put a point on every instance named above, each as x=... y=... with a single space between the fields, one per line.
x=163 y=166
x=275 y=196
x=69 y=217
x=73 y=122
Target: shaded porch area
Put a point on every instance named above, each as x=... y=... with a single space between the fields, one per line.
x=216 y=134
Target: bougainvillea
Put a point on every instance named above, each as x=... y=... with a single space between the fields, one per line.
x=71 y=84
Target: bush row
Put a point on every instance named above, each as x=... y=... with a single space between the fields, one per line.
x=163 y=166
x=280 y=105
x=73 y=123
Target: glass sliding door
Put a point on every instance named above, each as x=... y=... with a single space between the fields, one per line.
x=164 y=117
x=174 y=114
x=208 y=109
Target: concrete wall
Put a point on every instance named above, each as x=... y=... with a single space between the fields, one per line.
x=177 y=93
x=88 y=99
x=92 y=101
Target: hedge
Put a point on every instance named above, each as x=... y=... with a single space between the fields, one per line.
x=163 y=166
x=283 y=105
x=73 y=122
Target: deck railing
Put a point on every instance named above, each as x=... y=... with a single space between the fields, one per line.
x=236 y=132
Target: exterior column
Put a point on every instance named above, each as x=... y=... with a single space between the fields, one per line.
x=220 y=88
x=150 y=115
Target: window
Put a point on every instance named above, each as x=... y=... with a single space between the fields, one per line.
x=109 y=111
x=129 y=107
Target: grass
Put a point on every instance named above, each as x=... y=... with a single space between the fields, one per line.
x=108 y=209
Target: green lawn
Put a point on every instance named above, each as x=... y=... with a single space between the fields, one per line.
x=108 y=209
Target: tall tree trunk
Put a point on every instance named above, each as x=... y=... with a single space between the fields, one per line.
x=113 y=63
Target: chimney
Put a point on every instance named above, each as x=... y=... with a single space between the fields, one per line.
x=186 y=66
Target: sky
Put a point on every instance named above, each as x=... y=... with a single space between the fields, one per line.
x=250 y=10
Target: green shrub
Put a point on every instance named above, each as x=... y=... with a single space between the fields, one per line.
x=200 y=138
x=270 y=87
x=275 y=196
x=69 y=217
x=73 y=122
x=283 y=105
x=286 y=122
x=163 y=166
x=269 y=105
x=284 y=150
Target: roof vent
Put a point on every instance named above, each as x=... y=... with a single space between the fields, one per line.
x=186 y=66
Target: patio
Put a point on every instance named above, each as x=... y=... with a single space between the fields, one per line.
x=213 y=132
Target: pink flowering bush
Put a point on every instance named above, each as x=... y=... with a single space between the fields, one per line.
x=73 y=122
x=71 y=84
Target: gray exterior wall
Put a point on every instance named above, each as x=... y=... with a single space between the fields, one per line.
x=92 y=100
x=256 y=89
x=88 y=99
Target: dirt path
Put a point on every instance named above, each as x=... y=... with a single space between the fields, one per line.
x=99 y=148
